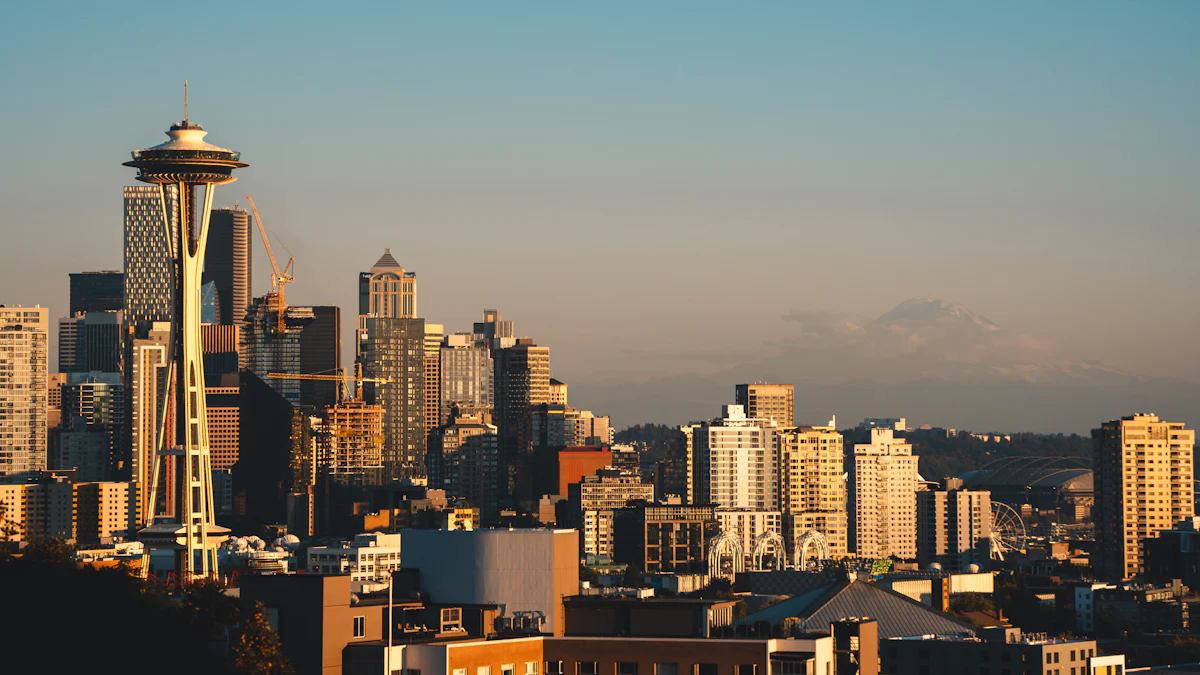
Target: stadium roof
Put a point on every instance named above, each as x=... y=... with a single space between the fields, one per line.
x=1065 y=473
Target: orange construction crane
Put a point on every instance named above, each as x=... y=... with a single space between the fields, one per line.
x=340 y=379
x=278 y=279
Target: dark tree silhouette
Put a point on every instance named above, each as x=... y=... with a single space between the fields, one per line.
x=256 y=651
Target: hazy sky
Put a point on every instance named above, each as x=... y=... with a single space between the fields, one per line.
x=647 y=187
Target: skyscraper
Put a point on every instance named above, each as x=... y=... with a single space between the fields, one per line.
x=493 y=327
x=97 y=291
x=558 y=392
x=227 y=263
x=321 y=352
x=394 y=350
x=271 y=347
x=24 y=358
x=146 y=386
x=351 y=449
x=464 y=462
x=93 y=436
x=90 y=342
x=150 y=231
x=1144 y=484
x=433 y=375
x=768 y=401
x=522 y=381
x=387 y=291
x=467 y=376
x=812 y=491
x=736 y=461
x=883 y=498
x=954 y=525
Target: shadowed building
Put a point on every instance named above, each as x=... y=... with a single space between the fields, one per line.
x=227 y=263
x=97 y=292
x=394 y=349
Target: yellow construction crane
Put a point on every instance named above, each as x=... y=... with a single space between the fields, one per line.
x=340 y=379
x=278 y=279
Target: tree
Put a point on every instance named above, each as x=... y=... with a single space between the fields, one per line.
x=51 y=551
x=633 y=577
x=257 y=650
x=588 y=574
x=211 y=610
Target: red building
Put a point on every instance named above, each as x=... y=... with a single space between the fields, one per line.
x=577 y=461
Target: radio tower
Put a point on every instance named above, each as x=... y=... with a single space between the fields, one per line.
x=195 y=168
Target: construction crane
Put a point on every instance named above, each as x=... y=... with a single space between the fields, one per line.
x=278 y=279
x=340 y=379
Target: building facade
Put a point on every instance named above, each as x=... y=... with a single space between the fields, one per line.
x=954 y=525
x=97 y=291
x=883 y=498
x=594 y=501
x=812 y=487
x=394 y=349
x=434 y=332
x=321 y=352
x=227 y=263
x=352 y=445
x=736 y=460
x=150 y=230
x=24 y=359
x=775 y=402
x=90 y=342
x=464 y=461
x=664 y=537
x=1143 y=469
x=522 y=381
x=387 y=292
x=271 y=343
x=467 y=376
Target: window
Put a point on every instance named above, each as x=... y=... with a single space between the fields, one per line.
x=411 y=671
x=554 y=668
x=745 y=669
x=508 y=669
x=531 y=668
x=360 y=626
x=627 y=668
x=666 y=669
x=1072 y=654
x=483 y=670
x=706 y=669
x=460 y=671
x=586 y=668
x=1056 y=657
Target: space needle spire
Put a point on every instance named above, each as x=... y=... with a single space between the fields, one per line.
x=195 y=168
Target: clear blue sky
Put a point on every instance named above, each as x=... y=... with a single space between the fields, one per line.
x=623 y=173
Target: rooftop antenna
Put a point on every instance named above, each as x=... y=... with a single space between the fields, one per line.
x=185 y=103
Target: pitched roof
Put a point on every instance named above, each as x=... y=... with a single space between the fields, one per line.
x=386 y=261
x=897 y=615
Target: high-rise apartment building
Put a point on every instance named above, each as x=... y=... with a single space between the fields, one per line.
x=664 y=537
x=748 y=525
x=146 y=374
x=224 y=426
x=775 y=402
x=24 y=360
x=812 y=490
x=93 y=435
x=106 y=511
x=150 y=231
x=883 y=498
x=227 y=263
x=467 y=376
x=394 y=349
x=492 y=327
x=91 y=342
x=434 y=332
x=558 y=392
x=954 y=525
x=1144 y=484
x=222 y=347
x=522 y=381
x=594 y=500
x=386 y=292
x=736 y=461
x=97 y=291
x=321 y=352
x=464 y=461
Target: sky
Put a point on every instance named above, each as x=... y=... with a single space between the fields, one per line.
x=648 y=188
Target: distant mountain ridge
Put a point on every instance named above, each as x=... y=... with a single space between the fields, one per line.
x=925 y=359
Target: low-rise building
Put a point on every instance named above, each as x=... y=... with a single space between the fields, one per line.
x=1001 y=649
x=373 y=555
x=593 y=501
x=664 y=537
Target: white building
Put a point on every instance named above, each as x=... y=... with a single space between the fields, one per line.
x=527 y=572
x=736 y=462
x=24 y=361
x=373 y=555
x=748 y=525
x=1085 y=607
x=883 y=498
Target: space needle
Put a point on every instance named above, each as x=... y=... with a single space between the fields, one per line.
x=195 y=168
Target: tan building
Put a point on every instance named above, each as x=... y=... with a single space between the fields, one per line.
x=594 y=500
x=223 y=426
x=87 y=513
x=954 y=526
x=768 y=401
x=434 y=332
x=351 y=448
x=463 y=461
x=883 y=498
x=24 y=360
x=145 y=377
x=812 y=486
x=558 y=392
x=1144 y=484
x=736 y=462
x=106 y=511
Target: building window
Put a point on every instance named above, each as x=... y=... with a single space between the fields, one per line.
x=360 y=626
x=554 y=668
x=627 y=668
x=586 y=668
x=666 y=669
x=410 y=671
x=483 y=670
x=531 y=668
x=745 y=669
x=460 y=671
x=706 y=669
x=508 y=669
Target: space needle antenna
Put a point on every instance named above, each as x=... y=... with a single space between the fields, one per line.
x=185 y=103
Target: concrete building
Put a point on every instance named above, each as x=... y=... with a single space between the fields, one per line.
x=467 y=376
x=1174 y=554
x=575 y=462
x=352 y=445
x=224 y=426
x=522 y=381
x=736 y=460
x=812 y=486
x=373 y=555
x=321 y=352
x=593 y=502
x=90 y=342
x=222 y=347
x=25 y=360
x=749 y=525
x=1144 y=483
x=558 y=392
x=883 y=498
x=94 y=432
x=434 y=332
x=1008 y=648
x=83 y=513
x=394 y=349
x=492 y=327
x=145 y=386
x=528 y=572
x=664 y=537
x=954 y=525
x=775 y=402
x=97 y=291
x=1085 y=606
x=228 y=263
x=106 y=511
x=271 y=342
x=464 y=461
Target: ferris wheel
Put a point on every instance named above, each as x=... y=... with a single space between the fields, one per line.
x=1008 y=530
